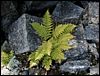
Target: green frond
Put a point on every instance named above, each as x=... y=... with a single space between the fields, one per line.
x=65 y=37
x=58 y=30
x=69 y=28
x=5 y=57
x=55 y=41
x=41 y=30
x=47 y=62
x=33 y=63
x=47 y=22
x=57 y=54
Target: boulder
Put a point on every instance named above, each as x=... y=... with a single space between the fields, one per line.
x=79 y=52
x=75 y=66
x=91 y=32
x=22 y=38
x=8 y=14
x=93 y=12
x=67 y=12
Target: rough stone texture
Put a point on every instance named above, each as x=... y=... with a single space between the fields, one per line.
x=92 y=33
x=78 y=53
x=93 y=9
x=30 y=6
x=12 y=68
x=5 y=46
x=22 y=37
x=79 y=31
x=94 y=70
x=8 y=14
x=84 y=3
x=67 y=12
x=93 y=50
x=75 y=66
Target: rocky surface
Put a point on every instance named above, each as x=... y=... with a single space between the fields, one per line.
x=12 y=68
x=5 y=46
x=67 y=12
x=93 y=12
x=78 y=53
x=18 y=35
x=94 y=70
x=91 y=32
x=8 y=14
x=75 y=66
x=22 y=37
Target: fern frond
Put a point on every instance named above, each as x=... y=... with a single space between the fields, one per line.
x=65 y=37
x=5 y=57
x=41 y=30
x=33 y=63
x=47 y=62
x=47 y=22
x=57 y=54
x=69 y=28
x=48 y=47
x=58 y=30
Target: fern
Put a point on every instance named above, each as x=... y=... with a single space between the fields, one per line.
x=5 y=57
x=55 y=42
x=47 y=62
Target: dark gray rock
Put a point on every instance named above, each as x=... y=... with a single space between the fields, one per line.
x=75 y=66
x=94 y=70
x=93 y=50
x=8 y=14
x=79 y=52
x=67 y=12
x=79 y=31
x=5 y=46
x=91 y=32
x=93 y=9
x=84 y=3
x=22 y=38
x=34 y=71
x=29 y=6
x=7 y=7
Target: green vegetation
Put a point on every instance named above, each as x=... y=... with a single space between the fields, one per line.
x=55 y=42
x=5 y=57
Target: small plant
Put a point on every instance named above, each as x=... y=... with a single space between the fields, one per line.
x=55 y=42
x=5 y=57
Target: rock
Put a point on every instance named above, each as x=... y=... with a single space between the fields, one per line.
x=94 y=70
x=12 y=68
x=25 y=71
x=84 y=3
x=91 y=32
x=22 y=38
x=34 y=71
x=75 y=66
x=93 y=9
x=93 y=50
x=31 y=6
x=67 y=12
x=79 y=52
x=79 y=31
x=6 y=46
x=8 y=14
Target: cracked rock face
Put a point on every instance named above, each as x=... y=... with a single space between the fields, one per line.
x=93 y=8
x=75 y=66
x=79 y=52
x=92 y=33
x=22 y=37
x=67 y=12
